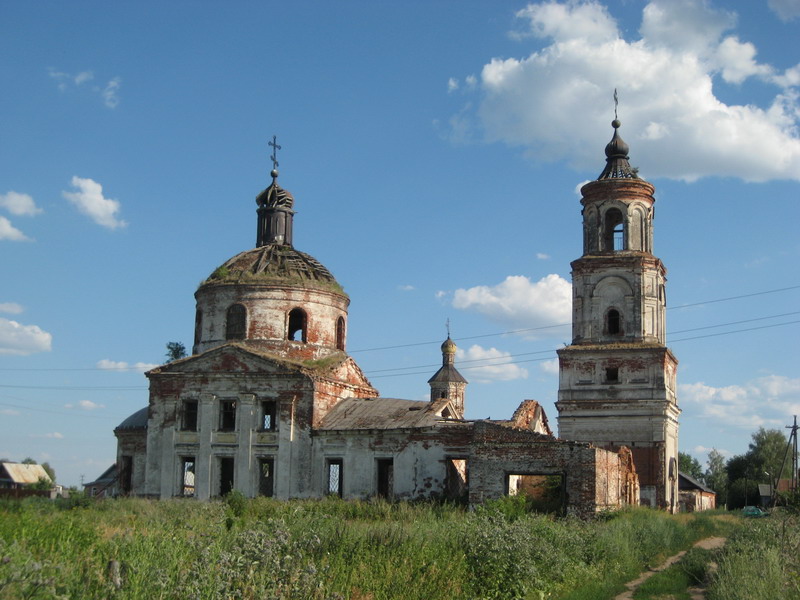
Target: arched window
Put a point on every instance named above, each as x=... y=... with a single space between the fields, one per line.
x=236 y=322
x=613 y=322
x=298 y=321
x=198 y=326
x=613 y=231
x=340 y=333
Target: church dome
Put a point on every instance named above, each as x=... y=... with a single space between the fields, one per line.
x=137 y=420
x=273 y=297
x=274 y=264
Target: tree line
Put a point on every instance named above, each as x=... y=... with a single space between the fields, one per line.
x=736 y=479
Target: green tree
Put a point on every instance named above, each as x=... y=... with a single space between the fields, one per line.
x=175 y=351
x=50 y=471
x=716 y=477
x=29 y=461
x=689 y=465
x=766 y=453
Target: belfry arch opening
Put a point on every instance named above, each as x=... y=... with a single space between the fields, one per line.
x=298 y=325
x=236 y=322
x=613 y=231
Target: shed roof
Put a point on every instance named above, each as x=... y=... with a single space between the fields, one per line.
x=381 y=413
x=687 y=482
x=24 y=474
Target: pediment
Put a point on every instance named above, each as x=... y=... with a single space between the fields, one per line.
x=229 y=358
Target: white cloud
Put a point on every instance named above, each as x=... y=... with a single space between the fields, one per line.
x=484 y=365
x=113 y=365
x=550 y=366
x=23 y=339
x=556 y=102
x=90 y=201
x=54 y=435
x=766 y=401
x=83 y=77
x=85 y=405
x=706 y=450
x=542 y=256
x=452 y=85
x=9 y=412
x=405 y=288
x=11 y=308
x=9 y=232
x=110 y=93
x=785 y=9
x=19 y=204
x=519 y=303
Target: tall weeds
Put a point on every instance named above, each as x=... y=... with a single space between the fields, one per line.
x=323 y=550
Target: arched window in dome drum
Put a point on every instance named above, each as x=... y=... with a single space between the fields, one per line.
x=236 y=322
x=198 y=326
x=340 y=333
x=298 y=323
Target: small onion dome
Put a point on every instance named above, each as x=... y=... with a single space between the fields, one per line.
x=275 y=196
x=448 y=346
x=617 y=165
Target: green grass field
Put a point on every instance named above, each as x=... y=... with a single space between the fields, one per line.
x=330 y=549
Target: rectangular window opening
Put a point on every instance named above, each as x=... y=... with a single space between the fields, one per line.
x=268 y=415
x=335 y=476
x=266 y=477
x=187 y=476
x=612 y=375
x=225 y=475
x=543 y=493
x=227 y=415
x=457 y=480
x=385 y=468
x=126 y=475
x=189 y=415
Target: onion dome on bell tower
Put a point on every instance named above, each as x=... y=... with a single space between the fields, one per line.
x=447 y=382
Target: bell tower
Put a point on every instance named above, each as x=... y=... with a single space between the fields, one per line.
x=617 y=377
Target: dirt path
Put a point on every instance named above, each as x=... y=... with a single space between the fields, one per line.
x=697 y=593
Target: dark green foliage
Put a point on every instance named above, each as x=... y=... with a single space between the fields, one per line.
x=689 y=465
x=175 y=351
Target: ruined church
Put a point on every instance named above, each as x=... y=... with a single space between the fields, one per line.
x=270 y=403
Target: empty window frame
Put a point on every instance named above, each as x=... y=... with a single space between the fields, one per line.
x=613 y=322
x=614 y=231
x=227 y=415
x=126 y=475
x=189 y=415
x=269 y=415
x=335 y=476
x=266 y=477
x=198 y=326
x=340 y=333
x=457 y=479
x=543 y=493
x=297 y=326
x=226 y=471
x=187 y=476
x=236 y=322
x=385 y=472
x=612 y=374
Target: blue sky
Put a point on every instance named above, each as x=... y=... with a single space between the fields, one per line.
x=434 y=150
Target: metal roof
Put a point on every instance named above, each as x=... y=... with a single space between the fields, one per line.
x=380 y=413
x=22 y=473
x=137 y=420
